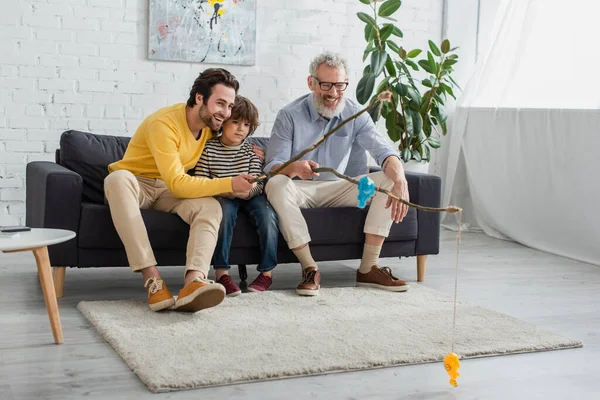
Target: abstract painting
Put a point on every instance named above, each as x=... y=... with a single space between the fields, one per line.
x=206 y=31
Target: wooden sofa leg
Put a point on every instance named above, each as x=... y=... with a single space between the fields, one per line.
x=58 y=275
x=421 y=262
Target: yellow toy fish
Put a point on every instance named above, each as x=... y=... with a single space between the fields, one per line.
x=452 y=365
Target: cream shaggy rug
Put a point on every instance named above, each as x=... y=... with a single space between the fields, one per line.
x=279 y=334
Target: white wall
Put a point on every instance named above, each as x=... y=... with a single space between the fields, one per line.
x=82 y=64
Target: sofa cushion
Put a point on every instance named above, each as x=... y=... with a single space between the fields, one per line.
x=89 y=155
x=327 y=226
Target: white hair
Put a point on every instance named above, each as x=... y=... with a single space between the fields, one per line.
x=329 y=58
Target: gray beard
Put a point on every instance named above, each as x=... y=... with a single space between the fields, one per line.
x=328 y=112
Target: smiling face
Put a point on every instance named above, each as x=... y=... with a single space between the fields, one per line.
x=217 y=109
x=235 y=131
x=328 y=102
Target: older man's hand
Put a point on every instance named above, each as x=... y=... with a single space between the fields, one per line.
x=303 y=169
x=398 y=209
x=259 y=152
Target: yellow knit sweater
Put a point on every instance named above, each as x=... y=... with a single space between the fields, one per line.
x=163 y=147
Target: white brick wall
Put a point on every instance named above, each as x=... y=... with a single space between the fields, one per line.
x=81 y=64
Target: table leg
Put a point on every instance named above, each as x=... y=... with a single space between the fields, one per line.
x=43 y=264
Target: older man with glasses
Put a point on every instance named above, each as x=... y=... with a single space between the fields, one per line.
x=300 y=124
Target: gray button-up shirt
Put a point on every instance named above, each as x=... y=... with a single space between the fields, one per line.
x=298 y=126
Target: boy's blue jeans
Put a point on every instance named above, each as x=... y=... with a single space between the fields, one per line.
x=264 y=219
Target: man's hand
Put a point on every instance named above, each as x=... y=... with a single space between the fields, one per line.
x=399 y=209
x=240 y=183
x=259 y=152
x=303 y=169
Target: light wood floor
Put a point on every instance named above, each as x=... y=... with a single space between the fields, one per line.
x=555 y=293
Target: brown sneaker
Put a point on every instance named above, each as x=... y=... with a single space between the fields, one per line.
x=199 y=294
x=159 y=296
x=381 y=278
x=311 y=282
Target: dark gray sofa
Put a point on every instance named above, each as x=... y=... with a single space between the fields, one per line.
x=68 y=194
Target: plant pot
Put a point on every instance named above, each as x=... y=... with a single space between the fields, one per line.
x=416 y=166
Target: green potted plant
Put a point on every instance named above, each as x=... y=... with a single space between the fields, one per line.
x=416 y=117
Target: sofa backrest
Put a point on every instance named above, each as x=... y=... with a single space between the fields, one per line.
x=89 y=154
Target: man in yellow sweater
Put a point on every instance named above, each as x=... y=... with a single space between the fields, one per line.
x=153 y=174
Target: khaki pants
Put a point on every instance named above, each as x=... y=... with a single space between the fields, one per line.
x=127 y=194
x=288 y=196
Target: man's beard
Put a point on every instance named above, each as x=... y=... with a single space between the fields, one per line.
x=208 y=119
x=325 y=111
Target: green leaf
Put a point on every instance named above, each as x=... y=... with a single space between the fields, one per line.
x=367 y=19
x=367 y=2
x=417 y=122
x=413 y=95
x=434 y=142
x=448 y=90
x=393 y=46
x=454 y=82
x=365 y=88
x=397 y=32
x=425 y=65
x=402 y=53
x=369 y=30
x=390 y=19
x=431 y=62
x=413 y=53
x=426 y=82
x=444 y=128
x=378 y=59
x=392 y=127
x=389 y=7
x=416 y=155
x=406 y=155
x=366 y=70
x=445 y=46
x=448 y=63
x=389 y=66
x=412 y=64
x=402 y=89
x=386 y=32
x=370 y=48
x=373 y=112
x=427 y=155
x=442 y=115
x=434 y=48
x=452 y=57
x=383 y=85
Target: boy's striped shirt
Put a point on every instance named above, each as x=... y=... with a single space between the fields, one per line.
x=220 y=161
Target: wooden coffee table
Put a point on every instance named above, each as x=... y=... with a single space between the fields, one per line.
x=37 y=240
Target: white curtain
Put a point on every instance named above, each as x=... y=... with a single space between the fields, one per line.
x=527 y=127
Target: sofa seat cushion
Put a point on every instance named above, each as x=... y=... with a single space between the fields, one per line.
x=328 y=226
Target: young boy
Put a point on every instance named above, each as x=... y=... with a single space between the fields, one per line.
x=230 y=155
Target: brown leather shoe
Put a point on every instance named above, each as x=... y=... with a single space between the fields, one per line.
x=381 y=278
x=311 y=282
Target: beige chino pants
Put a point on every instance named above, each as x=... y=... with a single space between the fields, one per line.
x=127 y=194
x=288 y=196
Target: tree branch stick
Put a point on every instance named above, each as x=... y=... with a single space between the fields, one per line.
x=450 y=209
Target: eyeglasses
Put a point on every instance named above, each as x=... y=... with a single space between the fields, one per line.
x=326 y=86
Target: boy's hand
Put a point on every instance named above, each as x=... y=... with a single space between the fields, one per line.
x=240 y=184
x=242 y=195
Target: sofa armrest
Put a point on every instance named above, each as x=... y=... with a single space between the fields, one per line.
x=426 y=190
x=53 y=200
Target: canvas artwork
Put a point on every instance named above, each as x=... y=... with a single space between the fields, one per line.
x=206 y=31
